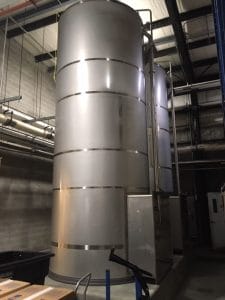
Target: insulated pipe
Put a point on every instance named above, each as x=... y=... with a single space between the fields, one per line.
x=203 y=162
x=211 y=104
x=25 y=148
x=196 y=87
x=202 y=147
x=26 y=137
x=6 y=147
x=24 y=117
x=9 y=121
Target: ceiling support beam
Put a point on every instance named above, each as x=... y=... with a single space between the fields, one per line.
x=169 y=51
x=186 y=64
x=191 y=46
x=185 y=16
x=45 y=56
x=33 y=25
x=38 y=11
x=197 y=64
x=180 y=40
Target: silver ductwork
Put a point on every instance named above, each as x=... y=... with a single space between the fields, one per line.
x=25 y=137
x=100 y=145
x=8 y=120
x=185 y=89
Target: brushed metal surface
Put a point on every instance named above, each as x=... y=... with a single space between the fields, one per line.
x=100 y=168
x=100 y=145
x=149 y=234
x=101 y=29
x=100 y=121
x=82 y=78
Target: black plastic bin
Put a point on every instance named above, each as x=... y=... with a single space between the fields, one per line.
x=25 y=266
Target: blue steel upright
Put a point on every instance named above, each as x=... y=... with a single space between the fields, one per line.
x=219 y=21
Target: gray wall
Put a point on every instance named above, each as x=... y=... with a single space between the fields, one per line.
x=27 y=78
x=25 y=183
x=26 y=198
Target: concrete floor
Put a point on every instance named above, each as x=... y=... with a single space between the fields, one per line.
x=206 y=281
x=164 y=291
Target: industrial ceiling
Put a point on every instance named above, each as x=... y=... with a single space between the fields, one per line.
x=183 y=33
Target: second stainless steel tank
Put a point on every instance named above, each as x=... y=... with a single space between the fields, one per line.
x=100 y=147
x=163 y=133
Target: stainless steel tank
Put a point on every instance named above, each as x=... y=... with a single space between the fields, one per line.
x=163 y=132
x=100 y=146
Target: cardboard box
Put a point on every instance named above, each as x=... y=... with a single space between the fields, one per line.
x=10 y=286
x=41 y=292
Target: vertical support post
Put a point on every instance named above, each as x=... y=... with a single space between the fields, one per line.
x=219 y=21
x=107 y=285
x=138 y=289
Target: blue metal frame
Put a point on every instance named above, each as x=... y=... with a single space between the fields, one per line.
x=138 y=289
x=219 y=21
x=107 y=285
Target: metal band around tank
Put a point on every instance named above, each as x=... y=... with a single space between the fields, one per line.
x=85 y=247
x=102 y=149
x=100 y=59
x=102 y=92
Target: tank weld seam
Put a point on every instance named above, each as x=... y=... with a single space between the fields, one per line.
x=86 y=247
x=98 y=187
x=101 y=149
x=163 y=167
x=100 y=59
x=102 y=92
x=164 y=129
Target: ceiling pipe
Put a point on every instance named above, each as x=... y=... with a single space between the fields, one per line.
x=202 y=162
x=211 y=104
x=26 y=148
x=6 y=131
x=6 y=148
x=8 y=120
x=202 y=147
x=25 y=117
x=185 y=89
